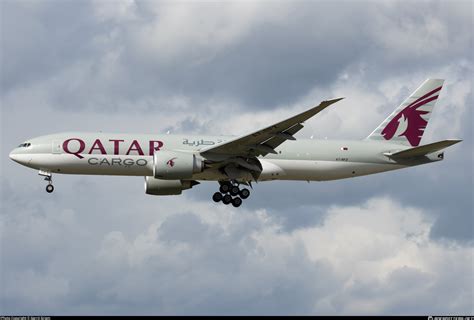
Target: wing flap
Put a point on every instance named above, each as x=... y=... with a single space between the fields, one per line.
x=278 y=139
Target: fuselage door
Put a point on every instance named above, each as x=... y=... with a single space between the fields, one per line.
x=57 y=147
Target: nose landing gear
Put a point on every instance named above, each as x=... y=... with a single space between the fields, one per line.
x=231 y=193
x=49 y=188
x=48 y=177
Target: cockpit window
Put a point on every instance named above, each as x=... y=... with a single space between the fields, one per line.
x=24 y=145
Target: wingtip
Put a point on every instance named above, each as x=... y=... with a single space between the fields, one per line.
x=334 y=100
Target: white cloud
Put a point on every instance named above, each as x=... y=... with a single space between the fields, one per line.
x=115 y=10
x=386 y=246
x=413 y=34
x=196 y=31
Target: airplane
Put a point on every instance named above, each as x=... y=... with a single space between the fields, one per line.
x=173 y=163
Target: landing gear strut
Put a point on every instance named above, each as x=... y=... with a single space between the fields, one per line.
x=229 y=192
x=48 y=177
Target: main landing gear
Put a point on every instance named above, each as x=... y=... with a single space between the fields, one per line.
x=229 y=192
x=48 y=177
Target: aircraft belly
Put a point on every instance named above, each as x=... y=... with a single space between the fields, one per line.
x=319 y=170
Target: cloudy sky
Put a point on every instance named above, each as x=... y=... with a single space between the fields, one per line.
x=395 y=243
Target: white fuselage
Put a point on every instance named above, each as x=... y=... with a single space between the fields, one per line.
x=132 y=155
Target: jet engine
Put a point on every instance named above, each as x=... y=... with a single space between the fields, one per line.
x=172 y=165
x=158 y=187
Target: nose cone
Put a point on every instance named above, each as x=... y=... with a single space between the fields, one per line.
x=17 y=156
x=13 y=155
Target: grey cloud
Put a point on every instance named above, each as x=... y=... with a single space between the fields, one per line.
x=273 y=63
x=190 y=125
x=38 y=40
x=265 y=67
x=186 y=228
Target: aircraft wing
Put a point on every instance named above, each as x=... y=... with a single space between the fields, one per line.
x=265 y=141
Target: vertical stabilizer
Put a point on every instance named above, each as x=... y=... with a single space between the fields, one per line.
x=407 y=123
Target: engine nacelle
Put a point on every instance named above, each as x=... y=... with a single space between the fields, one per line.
x=158 y=187
x=172 y=165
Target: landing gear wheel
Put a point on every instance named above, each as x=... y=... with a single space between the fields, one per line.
x=234 y=190
x=244 y=193
x=217 y=197
x=224 y=188
x=227 y=199
x=49 y=188
x=236 y=202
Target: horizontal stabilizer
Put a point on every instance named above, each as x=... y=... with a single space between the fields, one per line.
x=423 y=150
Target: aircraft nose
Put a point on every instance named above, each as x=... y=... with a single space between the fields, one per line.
x=18 y=156
x=13 y=155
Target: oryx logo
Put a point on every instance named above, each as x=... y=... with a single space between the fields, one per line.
x=170 y=162
x=410 y=121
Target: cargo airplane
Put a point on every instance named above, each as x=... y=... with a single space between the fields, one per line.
x=173 y=163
